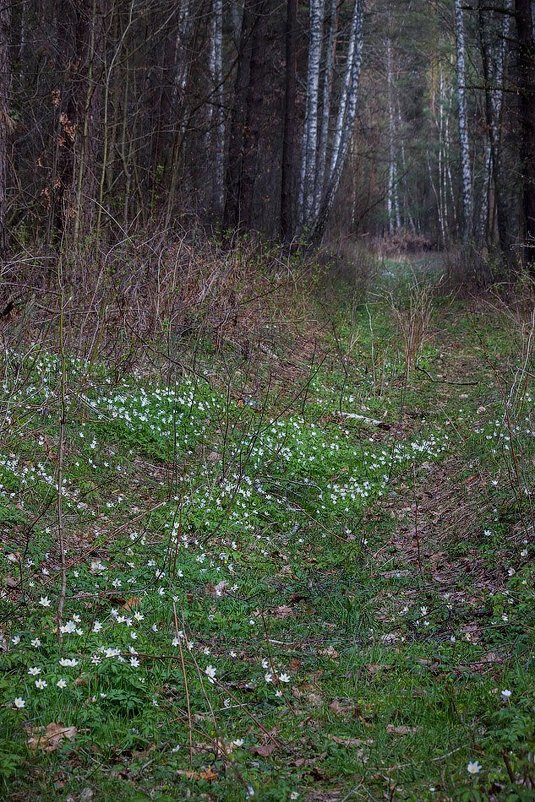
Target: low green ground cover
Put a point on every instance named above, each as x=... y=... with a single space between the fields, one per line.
x=261 y=599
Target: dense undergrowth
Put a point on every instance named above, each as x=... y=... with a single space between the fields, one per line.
x=307 y=578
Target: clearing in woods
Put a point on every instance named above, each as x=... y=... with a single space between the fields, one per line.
x=314 y=589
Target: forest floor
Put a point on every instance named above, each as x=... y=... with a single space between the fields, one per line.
x=316 y=585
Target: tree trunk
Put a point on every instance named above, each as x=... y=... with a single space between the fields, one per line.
x=328 y=76
x=5 y=120
x=290 y=123
x=392 y=197
x=494 y=62
x=346 y=117
x=87 y=144
x=526 y=63
x=246 y=116
x=183 y=44
x=218 y=130
x=466 y=169
x=310 y=137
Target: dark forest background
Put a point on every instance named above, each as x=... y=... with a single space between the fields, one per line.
x=408 y=120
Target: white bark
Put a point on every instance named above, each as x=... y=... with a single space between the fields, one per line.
x=326 y=103
x=236 y=14
x=447 y=157
x=485 y=189
x=346 y=114
x=497 y=57
x=499 y=71
x=464 y=145
x=354 y=56
x=442 y=166
x=444 y=188
x=310 y=137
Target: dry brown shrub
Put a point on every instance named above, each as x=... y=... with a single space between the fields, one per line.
x=150 y=289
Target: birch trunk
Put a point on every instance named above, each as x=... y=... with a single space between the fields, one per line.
x=482 y=231
x=346 y=116
x=327 y=85
x=464 y=146
x=353 y=57
x=236 y=12
x=442 y=197
x=310 y=136
x=447 y=155
x=288 y=142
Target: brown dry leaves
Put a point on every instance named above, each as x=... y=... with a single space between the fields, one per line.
x=51 y=737
x=351 y=741
x=205 y=774
x=401 y=729
x=264 y=750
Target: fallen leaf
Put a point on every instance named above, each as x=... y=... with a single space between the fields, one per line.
x=216 y=590
x=114 y=598
x=373 y=668
x=401 y=729
x=264 y=750
x=133 y=602
x=341 y=708
x=283 y=611
x=330 y=651
x=51 y=737
x=350 y=741
x=308 y=761
x=317 y=774
x=207 y=774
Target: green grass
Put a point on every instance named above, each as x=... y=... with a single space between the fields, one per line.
x=275 y=542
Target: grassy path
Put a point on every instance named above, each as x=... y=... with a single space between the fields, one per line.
x=319 y=595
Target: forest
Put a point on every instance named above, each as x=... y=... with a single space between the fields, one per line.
x=414 y=120
x=267 y=400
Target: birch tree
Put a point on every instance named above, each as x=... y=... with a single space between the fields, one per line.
x=288 y=142
x=464 y=147
x=310 y=136
x=347 y=111
x=327 y=86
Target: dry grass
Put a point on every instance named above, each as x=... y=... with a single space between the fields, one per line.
x=143 y=289
x=412 y=320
